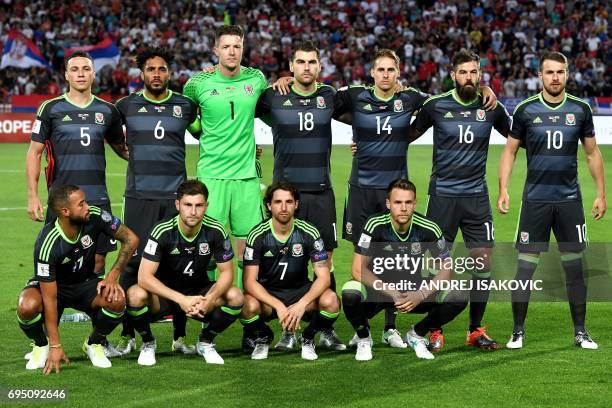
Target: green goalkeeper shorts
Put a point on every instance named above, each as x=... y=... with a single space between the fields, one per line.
x=236 y=203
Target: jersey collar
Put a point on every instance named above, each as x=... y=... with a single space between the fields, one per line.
x=274 y=233
x=75 y=104
x=397 y=234
x=459 y=101
x=59 y=228
x=160 y=101
x=178 y=226
x=381 y=98
x=541 y=96
x=295 y=91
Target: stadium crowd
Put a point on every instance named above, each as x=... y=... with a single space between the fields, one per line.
x=508 y=36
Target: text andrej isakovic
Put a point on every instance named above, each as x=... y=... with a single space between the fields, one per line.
x=403 y=272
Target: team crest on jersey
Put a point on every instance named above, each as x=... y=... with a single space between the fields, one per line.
x=481 y=115
x=398 y=106
x=570 y=119
x=248 y=89
x=86 y=241
x=415 y=248
x=349 y=228
x=297 y=250
x=524 y=237
x=204 y=249
x=99 y=118
x=321 y=102
x=177 y=111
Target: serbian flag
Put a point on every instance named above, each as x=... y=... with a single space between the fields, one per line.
x=19 y=51
x=103 y=53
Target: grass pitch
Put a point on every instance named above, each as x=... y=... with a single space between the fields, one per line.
x=549 y=371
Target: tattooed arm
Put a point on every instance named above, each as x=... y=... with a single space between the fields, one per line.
x=110 y=284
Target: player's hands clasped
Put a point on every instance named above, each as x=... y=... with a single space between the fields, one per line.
x=292 y=320
x=194 y=306
x=54 y=360
x=408 y=301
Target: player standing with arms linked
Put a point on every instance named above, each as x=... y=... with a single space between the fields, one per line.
x=155 y=120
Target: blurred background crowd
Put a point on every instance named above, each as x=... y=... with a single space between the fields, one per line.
x=508 y=35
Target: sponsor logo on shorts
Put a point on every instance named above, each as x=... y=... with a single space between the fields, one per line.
x=177 y=111
x=481 y=115
x=99 y=118
x=248 y=254
x=227 y=256
x=86 y=241
x=42 y=269
x=151 y=247
x=204 y=249
x=524 y=237
x=297 y=250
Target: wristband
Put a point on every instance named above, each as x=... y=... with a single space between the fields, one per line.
x=58 y=345
x=422 y=294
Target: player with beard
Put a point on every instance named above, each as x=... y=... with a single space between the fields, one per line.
x=155 y=119
x=458 y=193
x=64 y=276
x=302 y=138
x=550 y=124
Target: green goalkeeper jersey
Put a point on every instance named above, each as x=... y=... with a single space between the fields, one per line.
x=227 y=106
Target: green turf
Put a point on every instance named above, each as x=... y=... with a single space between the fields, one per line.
x=549 y=371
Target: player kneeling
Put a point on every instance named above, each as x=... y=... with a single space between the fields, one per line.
x=276 y=276
x=173 y=275
x=400 y=233
x=64 y=256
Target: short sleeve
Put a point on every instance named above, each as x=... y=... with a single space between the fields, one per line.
x=502 y=120
x=114 y=133
x=418 y=97
x=316 y=249
x=264 y=104
x=262 y=83
x=154 y=247
x=45 y=261
x=252 y=251
x=342 y=102
x=41 y=130
x=106 y=222
x=437 y=246
x=588 y=127
x=517 y=129
x=423 y=119
x=221 y=246
x=191 y=88
x=363 y=245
